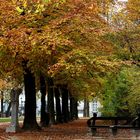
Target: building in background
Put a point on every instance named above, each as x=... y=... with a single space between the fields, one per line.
x=93 y=108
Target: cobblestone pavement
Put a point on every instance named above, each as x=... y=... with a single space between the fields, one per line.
x=75 y=130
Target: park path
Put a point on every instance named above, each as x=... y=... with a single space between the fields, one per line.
x=75 y=130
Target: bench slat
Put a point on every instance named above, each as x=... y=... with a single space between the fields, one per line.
x=99 y=126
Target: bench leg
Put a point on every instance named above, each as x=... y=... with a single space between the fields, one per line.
x=114 y=131
x=93 y=130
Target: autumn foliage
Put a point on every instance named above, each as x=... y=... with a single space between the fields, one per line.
x=75 y=42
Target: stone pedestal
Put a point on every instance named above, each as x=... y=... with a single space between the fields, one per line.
x=14 y=126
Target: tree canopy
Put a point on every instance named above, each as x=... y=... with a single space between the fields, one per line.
x=54 y=35
x=77 y=43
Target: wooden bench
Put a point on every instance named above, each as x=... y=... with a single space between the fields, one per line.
x=117 y=123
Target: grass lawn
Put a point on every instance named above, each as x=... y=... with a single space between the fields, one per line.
x=5 y=119
x=8 y=119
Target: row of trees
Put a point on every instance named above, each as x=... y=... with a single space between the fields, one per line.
x=65 y=107
x=70 y=42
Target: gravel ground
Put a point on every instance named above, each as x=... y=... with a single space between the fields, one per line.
x=75 y=130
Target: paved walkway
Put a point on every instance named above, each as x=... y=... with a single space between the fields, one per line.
x=75 y=130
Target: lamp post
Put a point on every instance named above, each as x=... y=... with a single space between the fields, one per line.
x=21 y=105
x=21 y=102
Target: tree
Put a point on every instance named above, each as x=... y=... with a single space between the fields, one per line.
x=67 y=37
x=24 y=41
x=120 y=96
x=58 y=105
x=43 y=88
x=2 y=84
x=133 y=98
x=126 y=23
x=125 y=35
x=82 y=67
x=50 y=101
x=114 y=94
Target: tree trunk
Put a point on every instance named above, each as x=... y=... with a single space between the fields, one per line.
x=72 y=107
x=30 y=122
x=75 y=109
x=1 y=104
x=8 y=110
x=44 y=120
x=58 y=106
x=65 y=112
x=50 y=106
x=86 y=108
